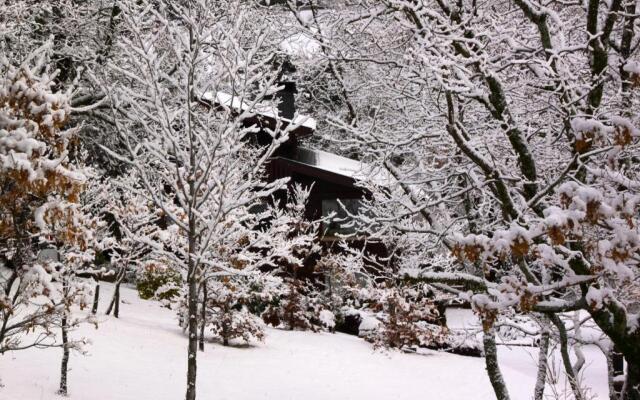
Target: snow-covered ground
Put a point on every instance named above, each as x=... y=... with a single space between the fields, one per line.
x=141 y=356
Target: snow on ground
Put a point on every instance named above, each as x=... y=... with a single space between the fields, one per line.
x=142 y=356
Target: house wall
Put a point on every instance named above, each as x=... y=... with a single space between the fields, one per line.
x=326 y=186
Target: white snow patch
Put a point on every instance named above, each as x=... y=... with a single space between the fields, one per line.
x=632 y=67
x=327 y=318
x=142 y=355
x=368 y=324
x=300 y=45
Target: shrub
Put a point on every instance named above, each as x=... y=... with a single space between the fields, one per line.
x=297 y=308
x=227 y=314
x=229 y=324
x=401 y=318
x=159 y=281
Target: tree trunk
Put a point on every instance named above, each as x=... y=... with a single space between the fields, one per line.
x=192 y=272
x=543 y=363
x=225 y=325
x=203 y=315
x=615 y=367
x=64 y=365
x=566 y=361
x=577 y=346
x=4 y=312
x=65 y=356
x=491 y=362
x=111 y=303
x=192 y=300
x=96 y=298
x=115 y=300
x=631 y=390
x=625 y=53
x=103 y=53
x=614 y=393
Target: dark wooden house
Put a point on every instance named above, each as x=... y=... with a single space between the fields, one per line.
x=331 y=176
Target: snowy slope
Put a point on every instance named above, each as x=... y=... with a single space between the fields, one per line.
x=142 y=356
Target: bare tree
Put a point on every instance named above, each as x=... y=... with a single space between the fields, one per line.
x=191 y=75
x=504 y=135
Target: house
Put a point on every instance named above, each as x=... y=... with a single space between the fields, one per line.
x=333 y=178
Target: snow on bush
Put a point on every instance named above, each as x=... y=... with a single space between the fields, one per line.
x=39 y=207
x=328 y=319
x=157 y=280
x=226 y=312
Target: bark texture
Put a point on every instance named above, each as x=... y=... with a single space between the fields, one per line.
x=632 y=383
x=96 y=299
x=203 y=315
x=543 y=362
x=64 y=365
x=491 y=364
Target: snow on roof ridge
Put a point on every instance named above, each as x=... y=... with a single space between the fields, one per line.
x=237 y=103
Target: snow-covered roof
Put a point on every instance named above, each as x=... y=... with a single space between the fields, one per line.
x=340 y=165
x=267 y=110
x=300 y=45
